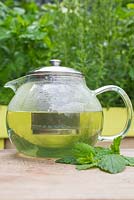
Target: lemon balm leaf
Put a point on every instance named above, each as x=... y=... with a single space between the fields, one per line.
x=129 y=160
x=115 y=147
x=83 y=150
x=67 y=160
x=112 y=163
x=101 y=151
x=109 y=160
x=86 y=166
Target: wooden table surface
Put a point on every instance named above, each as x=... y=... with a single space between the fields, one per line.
x=43 y=179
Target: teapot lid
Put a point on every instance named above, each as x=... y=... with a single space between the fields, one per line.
x=55 y=69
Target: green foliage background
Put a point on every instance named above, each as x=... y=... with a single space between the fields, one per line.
x=95 y=37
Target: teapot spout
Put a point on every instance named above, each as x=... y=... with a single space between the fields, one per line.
x=15 y=84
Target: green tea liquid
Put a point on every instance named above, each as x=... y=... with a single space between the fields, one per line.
x=52 y=134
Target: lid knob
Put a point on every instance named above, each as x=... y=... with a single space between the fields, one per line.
x=55 y=62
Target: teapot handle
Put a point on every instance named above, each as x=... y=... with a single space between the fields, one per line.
x=129 y=107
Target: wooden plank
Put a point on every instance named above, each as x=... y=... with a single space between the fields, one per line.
x=1 y=143
x=114 y=121
x=8 y=144
x=43 y=179
x=3 y=129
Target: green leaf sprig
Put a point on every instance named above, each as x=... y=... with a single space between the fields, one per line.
x=109 y=159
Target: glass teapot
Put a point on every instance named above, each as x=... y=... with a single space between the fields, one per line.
x=52 y=109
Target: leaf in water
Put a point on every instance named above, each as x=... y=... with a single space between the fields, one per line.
x=26 y=147
x=86 y=166
x=112 y=163
x=23 y=145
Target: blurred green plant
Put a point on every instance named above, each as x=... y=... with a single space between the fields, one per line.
x=95 y=37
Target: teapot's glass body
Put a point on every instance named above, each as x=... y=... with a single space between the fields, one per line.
x=48 y=114
x=52 y=109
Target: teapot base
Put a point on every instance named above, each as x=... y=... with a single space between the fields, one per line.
x=28 y=150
